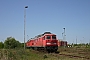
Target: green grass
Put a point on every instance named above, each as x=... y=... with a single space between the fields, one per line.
x=28 y=54
x=76 y=51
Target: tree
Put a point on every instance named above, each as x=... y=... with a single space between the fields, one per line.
x=1 y=45
x=11 y=43
x=22 y=44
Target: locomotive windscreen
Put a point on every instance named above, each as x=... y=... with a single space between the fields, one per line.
x=48 y=37
x=53 y=37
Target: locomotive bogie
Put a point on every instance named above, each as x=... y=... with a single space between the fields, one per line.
x=52 y=48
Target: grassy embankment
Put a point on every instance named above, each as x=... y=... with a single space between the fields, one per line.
x=20 y=54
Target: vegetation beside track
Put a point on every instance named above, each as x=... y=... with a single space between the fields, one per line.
x=12 y=49
x=76 y=52
x=29 y=54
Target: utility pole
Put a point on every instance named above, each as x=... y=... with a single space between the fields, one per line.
x=73 y=43
x=89 y=42
x=24 y=23
x=76 y=40
x=83 y=39
x=64 y=37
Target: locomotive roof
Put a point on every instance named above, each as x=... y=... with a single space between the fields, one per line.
x=42 y=34
x=45 y=33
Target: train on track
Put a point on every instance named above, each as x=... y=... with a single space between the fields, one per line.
x=46 y=41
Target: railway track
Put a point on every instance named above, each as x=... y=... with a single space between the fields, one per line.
x=70 y=56
x=57 y=54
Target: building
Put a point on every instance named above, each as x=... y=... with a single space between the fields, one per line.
x=62 y=43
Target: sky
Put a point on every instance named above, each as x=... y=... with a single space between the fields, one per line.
x=45 y=15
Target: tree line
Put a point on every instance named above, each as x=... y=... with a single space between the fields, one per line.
x=11 y=43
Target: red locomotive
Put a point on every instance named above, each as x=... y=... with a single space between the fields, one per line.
x=47 y=41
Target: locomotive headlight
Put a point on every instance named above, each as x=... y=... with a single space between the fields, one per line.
x=51 y=43
x=48 y=43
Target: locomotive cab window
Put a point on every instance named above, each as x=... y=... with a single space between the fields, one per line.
x=53 y=37
x=48 y=37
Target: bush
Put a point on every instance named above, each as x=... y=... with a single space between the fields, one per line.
x=11 y=43
x=1 y=45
